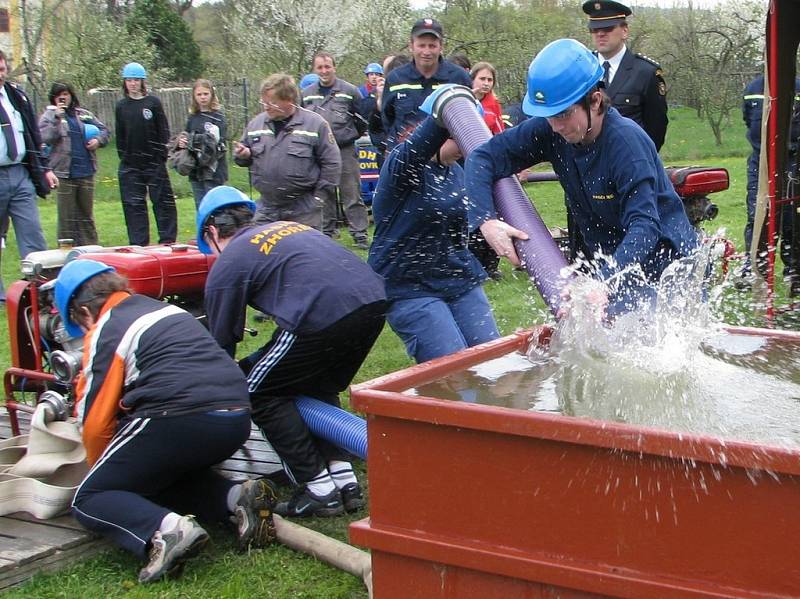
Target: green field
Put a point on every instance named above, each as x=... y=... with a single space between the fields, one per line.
x=279 y=572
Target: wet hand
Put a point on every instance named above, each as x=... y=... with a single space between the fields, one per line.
x=500 y=236
x=583 y=295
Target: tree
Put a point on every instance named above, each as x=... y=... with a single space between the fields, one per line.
x=34 y=18
x=266 y=36
x=88 y=49
x=176 y=50
x=708 y=49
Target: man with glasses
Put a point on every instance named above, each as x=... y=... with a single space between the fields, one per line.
x=622 y=201
x=292 y=154
x=634 y=83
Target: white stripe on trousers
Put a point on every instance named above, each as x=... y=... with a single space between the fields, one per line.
x=119 y=440
x=269 y=360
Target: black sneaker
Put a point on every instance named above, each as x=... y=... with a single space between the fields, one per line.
x=254 y=524
x=362 y=243
x=304 y=503
x=352 y=497
x=171 y=548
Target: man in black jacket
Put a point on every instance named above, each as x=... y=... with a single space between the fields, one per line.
x=24 y=172
x=634 y=82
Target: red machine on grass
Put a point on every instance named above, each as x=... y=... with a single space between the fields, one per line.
x=43 y=355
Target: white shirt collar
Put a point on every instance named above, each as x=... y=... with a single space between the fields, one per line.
x=614 y=61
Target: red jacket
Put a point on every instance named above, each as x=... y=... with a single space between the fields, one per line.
x=492 y=113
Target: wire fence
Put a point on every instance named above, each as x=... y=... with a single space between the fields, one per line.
x=238 y=104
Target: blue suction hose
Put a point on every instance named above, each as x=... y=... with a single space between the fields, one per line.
x=455 y=109
x=335 y=425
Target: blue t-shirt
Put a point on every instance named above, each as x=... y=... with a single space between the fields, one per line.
x=80 y=161
x=292 y=272
x=421 y=231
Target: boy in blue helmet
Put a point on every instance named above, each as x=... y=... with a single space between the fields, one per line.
x=152 y=433
x=329 y=309
x=618 y=192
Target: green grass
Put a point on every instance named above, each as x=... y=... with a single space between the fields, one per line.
x=280 y=572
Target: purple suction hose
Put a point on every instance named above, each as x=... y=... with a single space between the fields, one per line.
x=333 y=424
x=540 y=254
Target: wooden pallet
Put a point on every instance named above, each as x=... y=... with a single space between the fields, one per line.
x=29 y=546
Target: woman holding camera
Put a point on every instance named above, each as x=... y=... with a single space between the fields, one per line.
x=206 y=127
x=72 y=135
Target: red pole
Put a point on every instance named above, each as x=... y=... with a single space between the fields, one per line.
x=772 y=153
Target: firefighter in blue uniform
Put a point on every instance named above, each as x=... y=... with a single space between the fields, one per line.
x=634 y=83
x=752 y=110
x=407 y=87
x=622 y=200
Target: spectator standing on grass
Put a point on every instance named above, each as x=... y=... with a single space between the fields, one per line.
x=293 y=158
x=634 y=83
x=73 y=135
x=24 y=172
x=142 y=134
x=484 y=77
x=206 y=128
x=407 y=87
x=341 y=105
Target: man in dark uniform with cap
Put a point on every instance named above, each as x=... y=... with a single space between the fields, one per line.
x=633 y=82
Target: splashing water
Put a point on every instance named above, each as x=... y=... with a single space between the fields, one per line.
x=640 y=367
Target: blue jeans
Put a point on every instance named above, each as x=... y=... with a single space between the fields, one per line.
x=431 y=327
x=200 y=189
x=18 y=202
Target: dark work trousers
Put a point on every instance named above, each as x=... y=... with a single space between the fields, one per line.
x=155 y=462
x=349 y=189
x=787 y=224
x=319 y=365
x=134 y=185
x=75 y=201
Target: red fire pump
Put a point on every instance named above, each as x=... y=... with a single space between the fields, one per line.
x=43 y=356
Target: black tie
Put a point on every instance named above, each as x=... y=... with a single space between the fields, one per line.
x=606 y=70
x=8 y=133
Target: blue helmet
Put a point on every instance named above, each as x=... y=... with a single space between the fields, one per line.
x=373 y=67
x=72 y=276
x=559 y=76
x=217 y=198
x=309 y=79
x=90 y=131
x=133 y=70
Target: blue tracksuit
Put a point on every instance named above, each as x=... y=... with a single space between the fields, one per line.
x=622 y=200
x=405 y=89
